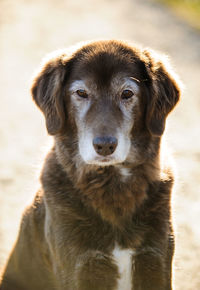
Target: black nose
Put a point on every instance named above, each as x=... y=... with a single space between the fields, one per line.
x=105 y=145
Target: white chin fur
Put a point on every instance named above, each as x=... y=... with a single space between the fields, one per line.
x=104 y=163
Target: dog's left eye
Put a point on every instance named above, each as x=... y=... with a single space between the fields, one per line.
x=127 y=94
x=82 y=94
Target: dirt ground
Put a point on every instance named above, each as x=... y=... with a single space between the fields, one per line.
x=30 y=29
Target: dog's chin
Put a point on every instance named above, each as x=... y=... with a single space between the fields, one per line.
x=104 y=161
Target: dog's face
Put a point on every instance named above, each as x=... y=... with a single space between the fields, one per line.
x=111 y=95
x=104 y=115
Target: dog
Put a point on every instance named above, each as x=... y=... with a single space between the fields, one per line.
x=102 y=217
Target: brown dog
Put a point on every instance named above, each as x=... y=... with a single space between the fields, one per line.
x=101 y=220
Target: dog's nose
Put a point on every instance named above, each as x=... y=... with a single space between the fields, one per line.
x=105 y=145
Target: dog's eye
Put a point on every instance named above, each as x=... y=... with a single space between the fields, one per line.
x=127 y=94
x=82 y=94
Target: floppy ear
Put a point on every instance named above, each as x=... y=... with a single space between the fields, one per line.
x=48 y=92
x=164 y=94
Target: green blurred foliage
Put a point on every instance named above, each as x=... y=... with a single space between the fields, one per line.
x=187 y=9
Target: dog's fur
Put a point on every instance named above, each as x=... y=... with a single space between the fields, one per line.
x=95 y=209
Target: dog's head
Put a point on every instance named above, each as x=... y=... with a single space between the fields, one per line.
x=109 y=94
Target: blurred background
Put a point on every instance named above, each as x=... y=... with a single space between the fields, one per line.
x=31 y=28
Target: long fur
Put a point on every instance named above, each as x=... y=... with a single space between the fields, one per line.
x=83 y=211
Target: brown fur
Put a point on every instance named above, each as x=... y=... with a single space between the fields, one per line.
x=83 y=210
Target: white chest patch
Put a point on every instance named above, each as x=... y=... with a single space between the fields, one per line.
x=124 y=261
x=125 y=173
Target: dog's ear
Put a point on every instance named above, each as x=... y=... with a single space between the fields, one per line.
x=48 y=91
x=164 y=93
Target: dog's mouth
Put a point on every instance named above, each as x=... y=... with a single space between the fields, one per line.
x=104 y=161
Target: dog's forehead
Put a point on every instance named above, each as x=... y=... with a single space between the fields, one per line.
x=117 y=82
x=103 y=65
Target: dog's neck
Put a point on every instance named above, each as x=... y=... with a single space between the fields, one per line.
x=114 y=192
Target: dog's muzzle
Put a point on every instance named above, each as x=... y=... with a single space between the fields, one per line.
x=105 y=145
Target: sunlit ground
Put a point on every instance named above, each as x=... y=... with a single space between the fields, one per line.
x=30 y=29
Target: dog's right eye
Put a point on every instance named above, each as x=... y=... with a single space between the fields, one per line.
x=127 y=94
x=82 y=94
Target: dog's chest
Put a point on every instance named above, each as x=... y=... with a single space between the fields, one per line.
x=124 y=259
